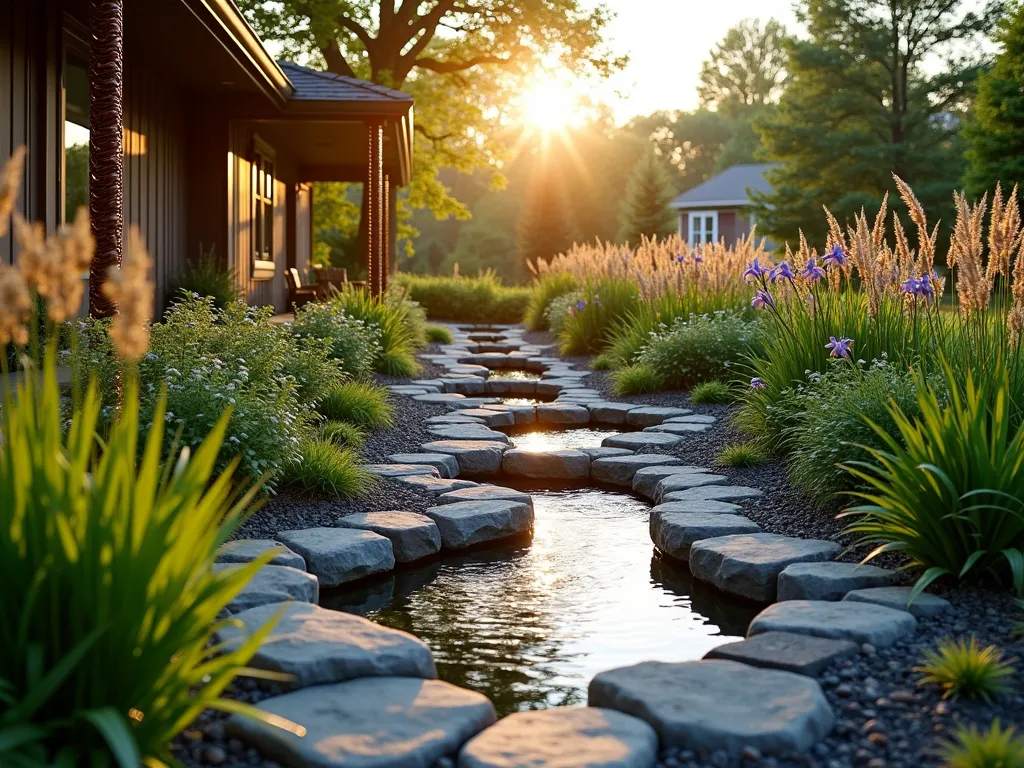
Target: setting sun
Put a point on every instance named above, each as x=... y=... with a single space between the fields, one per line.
x=549 y=105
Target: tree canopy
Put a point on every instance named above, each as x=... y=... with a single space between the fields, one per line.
x=746 y=68
x=645 y=211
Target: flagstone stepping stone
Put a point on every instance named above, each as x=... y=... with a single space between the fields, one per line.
x=845 y=620
x=924 y=605
x=560 y=465
x=409 y=390
x=435 y=383
x=400 y=470
x=829 y=581
x=636 y=440
x=580 y=400
x=272 y=584
x=371 y=722
x=468 y=370
x=692 y=418
x=467 y=403
x=467 y=432
x=435 y=484
x=489 y=360
x=580 y=392
x=319 y=646
x=466 y=523
x=605 y=412
x=491 y=418
x=485 y=493
x=412 y=536
x=678 y=429
x=554 y=386
x=674 y=483
x=699 y=507
x=619 y=470
x=719 y=705
x=558 y=413
x=455 y=417
x=445 y=465
x=340 y=555
x=713 y=493
x=646 y=479
x=749 y=564
x=563 y=737
x=523 y=414
x=511 y=386
x=650 y=415
x=438 y=397
x=475 y=457
x=247 y=550
x=606 y=453
x=802 y=654
x=674 y=533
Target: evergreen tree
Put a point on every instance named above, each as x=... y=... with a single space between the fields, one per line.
x=545 y=226
x=996 y=132
x=645 y=209
x=859 y=107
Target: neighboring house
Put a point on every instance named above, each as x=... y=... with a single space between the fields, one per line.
x=719 y=208
x=220 y=142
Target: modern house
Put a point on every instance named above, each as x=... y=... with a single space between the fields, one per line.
x=719 y=208
x=220 y=142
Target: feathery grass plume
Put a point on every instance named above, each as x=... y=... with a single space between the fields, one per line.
x=53 y=266
x=10 y=183
x=965 y=253
x=15 y=307
x=1015 y=317
x=925 y=241
x=964 y=669
x=1004 y=233
x=129 y=287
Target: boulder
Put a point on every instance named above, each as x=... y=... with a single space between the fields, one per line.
x=560 y=465
x=340 y=555
x=844 y=620
x=637 y=440
x=829 y=581
x=318 y=646
x=675 y=532
x=247 y=550
x=557 y=413
x=803 y=654
x=491 y=417
x=564 y=737
x=924 y=605
x=749 y=564
x=719 y=705
x=703 y=507
x=412 y=536
x=485 y=493
x=445 y=465
x=466 y=523
x=620 y=470
x=371 y=722
x=400 y=470
x=674 y=483
x=650 y=415
x=435 y=484
x=712 y=493
x=272 y=584
x=467 y=432
x=475 y=457
x=604 y=412
x=646 y=479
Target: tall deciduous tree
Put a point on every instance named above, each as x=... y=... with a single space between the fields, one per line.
x=748 y=67
x=860 y=106
x=645 y=211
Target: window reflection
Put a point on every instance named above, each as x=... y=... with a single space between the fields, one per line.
x=76 y=134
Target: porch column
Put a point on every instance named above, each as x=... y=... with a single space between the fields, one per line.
x=391 y=254
x=385 y=253
x=106 y=159
x=374 y=191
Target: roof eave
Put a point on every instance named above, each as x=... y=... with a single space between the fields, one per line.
x=686 y=204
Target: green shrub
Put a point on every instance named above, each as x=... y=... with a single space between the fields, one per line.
x=481 y=299
x=947 y=492
x=636 y=380
x=741 y=455
x=109 y=604
x=359 y=403
x=401 y=322
x=602 y=362
x=342 y=434
x=701 y=348
x=323 y=468
x=438 y=334
x=557 y=313
x=354 y=343
x=712 y=392
x=589 y=321
x=545 y=290
x=963 y=669
x=206 y=277
x=995 y=748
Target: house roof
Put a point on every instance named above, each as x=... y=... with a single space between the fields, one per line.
x=729 y=188
x=316 y=85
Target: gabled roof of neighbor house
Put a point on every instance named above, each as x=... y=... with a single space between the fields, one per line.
x=727 y=189
x=316 y=85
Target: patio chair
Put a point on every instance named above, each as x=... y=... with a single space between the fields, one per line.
x=298 y=294
x=330 y=279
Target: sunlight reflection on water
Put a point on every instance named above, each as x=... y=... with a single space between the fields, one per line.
x=517 y=375
x=561 y=440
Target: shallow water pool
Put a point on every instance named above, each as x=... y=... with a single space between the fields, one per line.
x=502 y=373
x=563 y=439
x=530 y=624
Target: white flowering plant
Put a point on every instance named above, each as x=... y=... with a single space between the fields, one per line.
x=353 y=343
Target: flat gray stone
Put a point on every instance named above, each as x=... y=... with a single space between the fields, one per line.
x=467 y=432
x=272 y=584
x=620 y=470
x=475 y=457
x=501 y=386
x=491 y=417
x=564 y=737
x=467 y=523
x=438 y=397
x=455 y=417
x=675 y=532
x=558 y=413
x=466 y=385
x=445 y=465
x=412 y=536
x=693 y=418
x=719 y=705
x=674 y=483
x=435 y=484
x=371 y=722
x=925 y=605
x=749 y=564
x=554 y=386
x=485 y=493
x=407 y=390
x=467 y=403
x=319 y=646
x=606 y=453
x=340 y=555
x=702 y=507
x=605 y=412
x=247 y=550
x=802 y=654
x=829 y=581
x=650 y=415
x=678 y=429
x=523 y=414
x=400 y=470
x=844 y=620
x=560 y=465
x=637 y=440
x=713 y=493
x=646 y=479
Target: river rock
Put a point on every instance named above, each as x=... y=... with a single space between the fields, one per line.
x=719 y=705
x=339 y=555
x=620 y=470
x=845 y=620
x=485 y=493
x=371 y=722
x=272 y=584
x=675 y=532
x=637 y=440
x=829 y=581
x=604 y=412
x=560 y=465
x=400 y=470
x=650 y=415
x=713 y=493
x=924 y=605
x=247 y=550
x=646 y=479
x=557 y=413
x=445 y=465
x=803 y=654
x=319 y=646
x=413 y=536
x=564 y=737
x=749 y=564
x=674 y=483
x=467 y=432
x=475 y=457
x=466 y=523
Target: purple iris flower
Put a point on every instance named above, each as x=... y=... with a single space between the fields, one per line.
x=581 y=305
x=698 y=259
x=753 y=271
x=762 y=299
x=812 y=271
x=681 y=258
x=835 y=257
x=779 y=271
x=926 y=286
x=839 y=347
x=911 y=286
x=758 y=383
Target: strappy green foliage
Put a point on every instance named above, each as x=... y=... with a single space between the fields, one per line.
x=961 y=668
x=997 y=747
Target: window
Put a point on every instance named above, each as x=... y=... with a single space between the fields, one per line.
x=703 y=227
x=263 y=210
x=75 y=134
